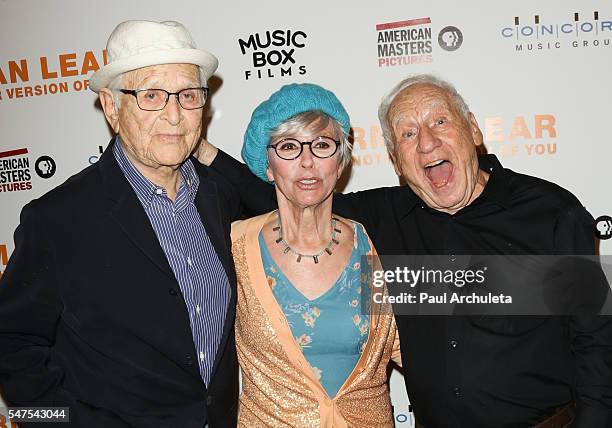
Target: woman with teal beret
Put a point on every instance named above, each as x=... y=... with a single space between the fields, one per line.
x=313 y=349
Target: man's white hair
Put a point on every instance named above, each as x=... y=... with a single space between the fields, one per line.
x=417 y=79
x=114 y=86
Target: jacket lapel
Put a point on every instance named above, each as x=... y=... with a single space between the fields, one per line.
x=207 y=203
x=128 y=212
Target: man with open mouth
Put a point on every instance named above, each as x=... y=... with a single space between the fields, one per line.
x=473 y=371
x=432 y=137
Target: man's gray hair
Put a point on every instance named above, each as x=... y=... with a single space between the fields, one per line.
x=316 y=121
x=417 y=79
x=114 y=86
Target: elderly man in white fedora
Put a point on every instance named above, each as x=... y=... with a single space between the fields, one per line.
x=118 y=301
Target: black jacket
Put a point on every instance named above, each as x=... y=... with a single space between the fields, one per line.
x=92 y=317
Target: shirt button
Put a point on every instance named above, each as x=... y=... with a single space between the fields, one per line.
x=189 y=261
x=453 y=257
x=198 y=308
x=457 y=391
x=453 y=344
x=159 y=191
x=173 y=292
x=201 y=356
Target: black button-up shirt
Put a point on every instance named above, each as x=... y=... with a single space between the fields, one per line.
x=494 y=371
x=485 y=371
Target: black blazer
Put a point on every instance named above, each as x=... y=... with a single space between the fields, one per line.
x=92 y=317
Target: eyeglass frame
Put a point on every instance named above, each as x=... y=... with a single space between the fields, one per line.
x=134 y=93
x=302 y=144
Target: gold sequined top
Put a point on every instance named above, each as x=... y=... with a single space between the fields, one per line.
x=279 y=388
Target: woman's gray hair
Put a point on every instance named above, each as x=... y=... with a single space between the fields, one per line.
x=418 y=79
x=315 y=121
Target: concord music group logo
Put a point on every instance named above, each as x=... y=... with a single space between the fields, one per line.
x=542 y=34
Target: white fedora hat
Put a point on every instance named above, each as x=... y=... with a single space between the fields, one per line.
x=137 y=44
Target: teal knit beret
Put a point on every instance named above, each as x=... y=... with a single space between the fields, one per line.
x=285 y=103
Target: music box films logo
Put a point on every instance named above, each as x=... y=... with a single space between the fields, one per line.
x=273 y=54
x=539 y=33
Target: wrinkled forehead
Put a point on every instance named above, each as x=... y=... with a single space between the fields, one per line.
x=164 y=74
x=419 y=102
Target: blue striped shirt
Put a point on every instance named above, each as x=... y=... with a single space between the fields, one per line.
x=190 y=253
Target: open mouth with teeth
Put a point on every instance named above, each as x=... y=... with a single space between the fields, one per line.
x=439 y=173
x=308 y=183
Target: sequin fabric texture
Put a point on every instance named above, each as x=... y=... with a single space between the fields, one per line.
x=280 y=388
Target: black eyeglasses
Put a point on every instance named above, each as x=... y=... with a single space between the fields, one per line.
x=156 y=99
x=290 y=148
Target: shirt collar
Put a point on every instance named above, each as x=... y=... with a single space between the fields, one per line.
x=189 y=178
x=144 y=188
x=496 y=190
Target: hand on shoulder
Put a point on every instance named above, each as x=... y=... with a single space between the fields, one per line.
x=205 y=152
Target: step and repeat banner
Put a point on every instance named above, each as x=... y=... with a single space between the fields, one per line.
x=535 y=74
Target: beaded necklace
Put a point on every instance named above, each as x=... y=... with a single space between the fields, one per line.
x=315 y=257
